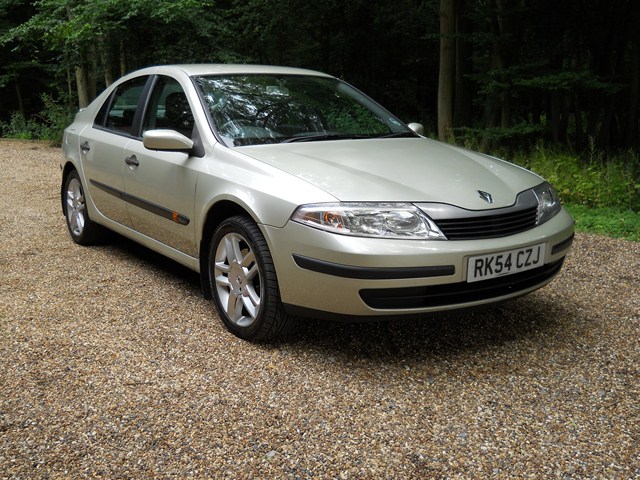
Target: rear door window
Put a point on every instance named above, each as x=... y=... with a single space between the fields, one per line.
x=119 y=112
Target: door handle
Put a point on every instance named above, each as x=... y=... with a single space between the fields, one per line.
x=85 y=147
x=132 y=161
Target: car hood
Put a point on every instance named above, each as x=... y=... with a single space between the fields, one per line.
x=399 y=170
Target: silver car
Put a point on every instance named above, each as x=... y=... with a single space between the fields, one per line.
x=295 y=195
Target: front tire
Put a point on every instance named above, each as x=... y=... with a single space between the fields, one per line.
x=243 y=281
x=83 y=231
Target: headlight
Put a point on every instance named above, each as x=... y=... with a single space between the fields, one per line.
x=381 y=220
x=548 y=202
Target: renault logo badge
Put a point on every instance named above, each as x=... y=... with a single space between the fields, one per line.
x=486 y=196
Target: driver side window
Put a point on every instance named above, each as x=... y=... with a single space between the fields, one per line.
x=169 y=108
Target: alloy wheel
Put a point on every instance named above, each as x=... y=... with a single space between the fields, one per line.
x=76 y=207
x=237 y=279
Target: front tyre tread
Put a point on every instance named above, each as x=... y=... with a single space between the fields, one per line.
x=243 y=282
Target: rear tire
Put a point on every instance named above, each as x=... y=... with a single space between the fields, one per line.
x=83 y=231
x=243 y=282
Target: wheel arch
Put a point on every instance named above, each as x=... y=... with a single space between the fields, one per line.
x=216 y=214
x=67 y=168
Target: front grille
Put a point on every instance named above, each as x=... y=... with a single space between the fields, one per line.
x=458 y=293
x=489 y=226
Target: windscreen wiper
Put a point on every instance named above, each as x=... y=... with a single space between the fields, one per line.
x=408 y=134
x=318 y=137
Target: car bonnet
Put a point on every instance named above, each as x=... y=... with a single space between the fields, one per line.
x=399 y=170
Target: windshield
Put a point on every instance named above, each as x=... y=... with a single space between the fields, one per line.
x=259 y=109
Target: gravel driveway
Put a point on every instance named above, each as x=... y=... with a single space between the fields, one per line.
x=112 y=365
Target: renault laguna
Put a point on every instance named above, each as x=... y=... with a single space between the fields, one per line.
x=293 y=194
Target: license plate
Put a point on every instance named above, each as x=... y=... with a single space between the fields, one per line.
x=483 y=267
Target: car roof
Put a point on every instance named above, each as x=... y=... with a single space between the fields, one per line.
x=227 y=69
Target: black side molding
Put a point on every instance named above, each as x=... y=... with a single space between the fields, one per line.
x=558 y=247
x=139 y=202
x=371 y=273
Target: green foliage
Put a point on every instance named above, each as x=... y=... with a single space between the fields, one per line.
x=53 y=119
x=19 y=127
x=567 y=80
x=602 y=194
x=521 y=73
x=518 y=134
x=47 y=125
x=613 y=222
x=595 y=181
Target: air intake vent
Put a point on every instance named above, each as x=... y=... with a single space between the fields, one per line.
x=489 y=226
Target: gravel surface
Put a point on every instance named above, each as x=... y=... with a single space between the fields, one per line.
x=112 y=365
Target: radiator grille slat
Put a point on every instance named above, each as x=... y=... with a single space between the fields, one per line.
x=488 y=226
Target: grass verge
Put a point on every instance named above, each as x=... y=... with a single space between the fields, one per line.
x=609 y=221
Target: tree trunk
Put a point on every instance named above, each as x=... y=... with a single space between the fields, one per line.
x=464 y=52
x=92 y=75
x=69 y=88
x=82 y=76
x=105 y=58
x=123 y=59
x=501 y=32
x=493 y=116
x=631 y=134
x=20 y=99
x=82 y=82
x=555 y=116
x=446 y=76
x=577 y=112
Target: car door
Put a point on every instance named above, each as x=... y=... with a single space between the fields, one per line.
x=103 y=147
x=160 y=186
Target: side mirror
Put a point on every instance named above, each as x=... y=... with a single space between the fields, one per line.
x=166 y=140
x=417 y=128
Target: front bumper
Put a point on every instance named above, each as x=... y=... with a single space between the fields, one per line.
x=322 y=273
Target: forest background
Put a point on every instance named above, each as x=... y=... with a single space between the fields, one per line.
x=551 y=85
